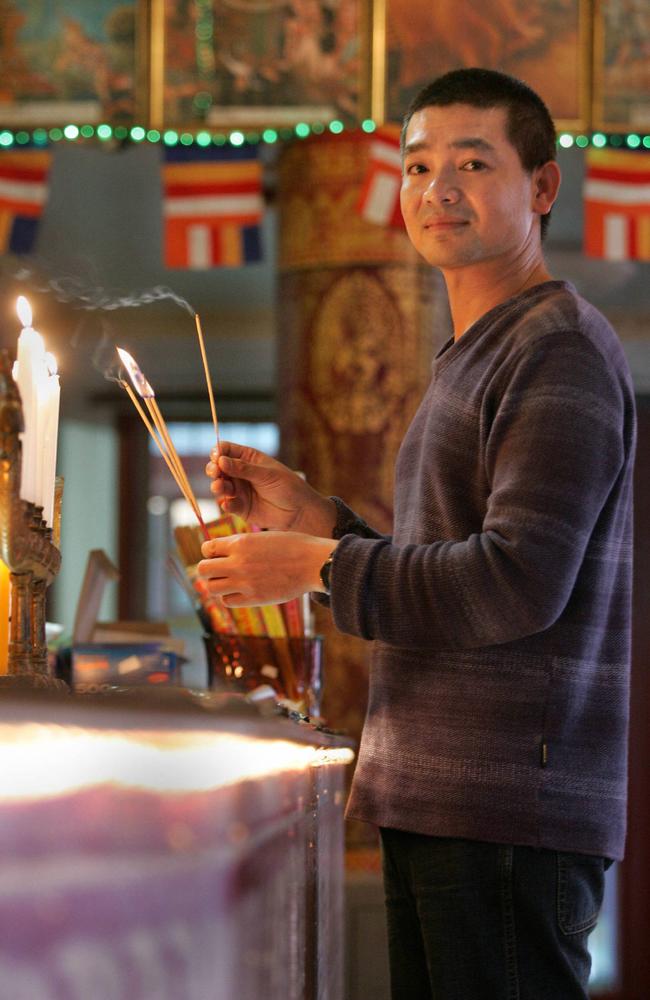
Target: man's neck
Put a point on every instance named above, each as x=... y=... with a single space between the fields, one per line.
x=473 y=291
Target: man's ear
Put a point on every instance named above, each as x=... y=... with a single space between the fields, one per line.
x=546 y=184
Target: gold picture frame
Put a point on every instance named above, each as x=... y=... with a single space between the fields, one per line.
x=621 y=71
x=416 y=40
x=269 y=64
x=83 y=64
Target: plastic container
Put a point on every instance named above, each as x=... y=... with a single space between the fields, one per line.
x=293 y=667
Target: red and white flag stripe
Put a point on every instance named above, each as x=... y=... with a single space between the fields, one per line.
x=379 y=198
x=24 y=181
x=617 y=205
x=232 y=206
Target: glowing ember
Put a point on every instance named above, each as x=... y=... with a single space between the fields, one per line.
x=140 y=383
x=24 y=311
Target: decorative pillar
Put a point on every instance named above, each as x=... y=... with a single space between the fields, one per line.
x=359 y=318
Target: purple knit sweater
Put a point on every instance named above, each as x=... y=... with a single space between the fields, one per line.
x=500 y=608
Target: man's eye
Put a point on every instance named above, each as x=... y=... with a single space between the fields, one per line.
x=473 y=165
x=416 y=168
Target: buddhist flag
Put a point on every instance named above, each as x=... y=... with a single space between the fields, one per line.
x=213 y=207
x=23 y=194
x=379 y=198
x=617 y=205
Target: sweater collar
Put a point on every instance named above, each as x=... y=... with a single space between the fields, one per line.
x=452 y=348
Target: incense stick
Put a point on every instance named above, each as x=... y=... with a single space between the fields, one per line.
x=167 y=449
x=188 y=494
x=158 y=441
x=213 y=409
x=199 y=331
x=208 y=380
x=161 y=427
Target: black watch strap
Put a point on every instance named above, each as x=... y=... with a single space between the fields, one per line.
x=325 y=573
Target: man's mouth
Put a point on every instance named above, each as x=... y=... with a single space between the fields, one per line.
x=444 y=222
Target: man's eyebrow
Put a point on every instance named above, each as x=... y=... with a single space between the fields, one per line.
x=471 y=142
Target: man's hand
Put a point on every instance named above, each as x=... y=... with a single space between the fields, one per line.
x=263 y=567
x=261 y=489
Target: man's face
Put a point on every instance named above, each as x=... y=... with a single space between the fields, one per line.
x=465 y=196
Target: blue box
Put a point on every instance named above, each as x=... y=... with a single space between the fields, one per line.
x=96 y=667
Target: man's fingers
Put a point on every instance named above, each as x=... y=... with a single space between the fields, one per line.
x=230 y=448
x=223 y=488
x=237 y=601
x=237 y=468
x=214 y=548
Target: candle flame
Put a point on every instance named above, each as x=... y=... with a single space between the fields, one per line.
x=24 y=311
x=50 y=361
x=140 y=383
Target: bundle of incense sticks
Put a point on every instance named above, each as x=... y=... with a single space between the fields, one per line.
x=157 y=428
x=273 y=620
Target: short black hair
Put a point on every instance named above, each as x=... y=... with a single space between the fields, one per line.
x=530 y=127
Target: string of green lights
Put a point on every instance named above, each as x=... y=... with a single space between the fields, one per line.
x=171 y=137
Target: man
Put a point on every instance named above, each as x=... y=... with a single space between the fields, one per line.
x=493 y=756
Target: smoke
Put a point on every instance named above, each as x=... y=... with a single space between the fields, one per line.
x=74 y=291
x=104 y=357
x=95 y=303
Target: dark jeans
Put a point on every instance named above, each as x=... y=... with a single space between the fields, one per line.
x=469 y=920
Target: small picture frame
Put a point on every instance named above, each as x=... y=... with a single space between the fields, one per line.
x=545 y=43
x=246 y=64
x=76 y=62
x=621 y=71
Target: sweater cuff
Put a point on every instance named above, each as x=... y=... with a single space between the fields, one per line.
x=349 y=523
x=352 y=566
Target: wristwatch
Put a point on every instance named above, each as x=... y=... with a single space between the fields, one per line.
x=325 y=572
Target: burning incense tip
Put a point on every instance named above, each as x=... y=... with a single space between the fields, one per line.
x=140 y=383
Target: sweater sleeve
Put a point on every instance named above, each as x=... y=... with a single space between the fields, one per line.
x=349 y=523
x=553 y=450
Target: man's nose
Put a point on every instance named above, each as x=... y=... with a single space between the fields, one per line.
x=442 y=189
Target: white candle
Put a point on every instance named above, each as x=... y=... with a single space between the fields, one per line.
x=31 y=365
x=49 y=441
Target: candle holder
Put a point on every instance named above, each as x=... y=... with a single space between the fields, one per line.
x=28 y=549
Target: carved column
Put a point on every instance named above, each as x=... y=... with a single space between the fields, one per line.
x=359 y=318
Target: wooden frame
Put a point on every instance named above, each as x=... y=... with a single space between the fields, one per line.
x=83 y=64
x=621 y=70
x=255 y=64
x=416 y=40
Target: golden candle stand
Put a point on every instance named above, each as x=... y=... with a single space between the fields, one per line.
x=28 y=548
